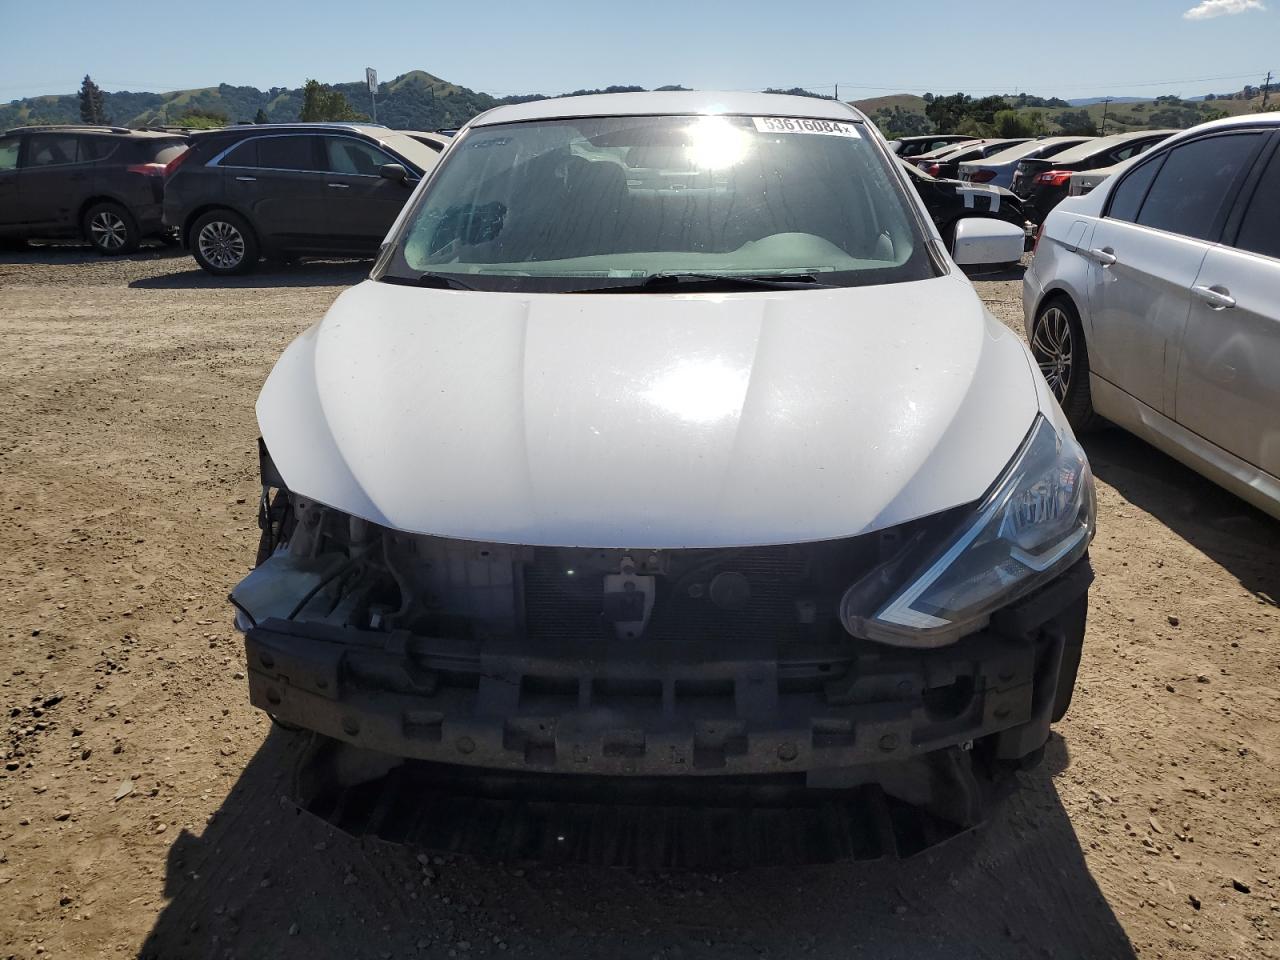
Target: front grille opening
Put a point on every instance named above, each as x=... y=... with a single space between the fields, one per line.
x=627 y=693
x=949 y=702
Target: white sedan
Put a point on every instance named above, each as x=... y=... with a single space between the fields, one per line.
x=1154 y=302
x=666 y=439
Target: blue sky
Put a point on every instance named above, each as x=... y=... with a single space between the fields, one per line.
x=1079 y=48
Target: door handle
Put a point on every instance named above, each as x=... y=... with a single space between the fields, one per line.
x=247 y=179
x=1218 y=298
x=340 y=186
x=1106 y=256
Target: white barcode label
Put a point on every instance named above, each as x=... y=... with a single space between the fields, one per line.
x=824 y=128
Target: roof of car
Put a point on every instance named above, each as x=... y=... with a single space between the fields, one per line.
x=668 y=103
x=1020 y=150
x=91 y=128
x=1102 y=144
x=1244 y=120
x=266 y=129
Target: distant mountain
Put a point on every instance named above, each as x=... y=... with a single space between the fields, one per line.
x=412 y=101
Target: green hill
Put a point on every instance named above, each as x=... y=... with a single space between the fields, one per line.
x=418 y=100
x=904 y=114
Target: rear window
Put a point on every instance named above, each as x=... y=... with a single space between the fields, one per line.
x=287 y=153
x=275 y=153
x=1260 y=231
x=1192 y=188
x=245 y=155
x=97 y=148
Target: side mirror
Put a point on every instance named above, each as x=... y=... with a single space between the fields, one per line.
x=983 y=241
x=394 y=172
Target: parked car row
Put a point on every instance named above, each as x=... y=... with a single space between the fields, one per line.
x=1043 y=182
x=230 y=196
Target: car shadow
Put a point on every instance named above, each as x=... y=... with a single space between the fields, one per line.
x=56 y=254
x=311 y=273
x=264 y=879
x=1234 y=534
x=1012 y=271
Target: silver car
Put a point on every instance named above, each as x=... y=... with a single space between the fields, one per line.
x=1154 y=302
x=998 y=169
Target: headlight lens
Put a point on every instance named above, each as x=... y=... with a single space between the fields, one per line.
x=1038 y=521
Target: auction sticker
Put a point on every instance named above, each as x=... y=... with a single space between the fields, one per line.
x=826 y=128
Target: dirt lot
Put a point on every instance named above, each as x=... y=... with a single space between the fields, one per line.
x=140 y=800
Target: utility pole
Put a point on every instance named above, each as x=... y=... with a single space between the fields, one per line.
x=1266 y=90
x=1106 y=105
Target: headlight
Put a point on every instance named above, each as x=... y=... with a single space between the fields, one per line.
x=1037 y=521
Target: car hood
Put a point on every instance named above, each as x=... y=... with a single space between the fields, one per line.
x=649 y=420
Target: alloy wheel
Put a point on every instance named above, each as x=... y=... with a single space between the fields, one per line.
x=108 y=231
x=1051 y=346
x=221 y=244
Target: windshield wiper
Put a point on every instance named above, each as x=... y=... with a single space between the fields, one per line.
x=444 y=281
x=661 y=282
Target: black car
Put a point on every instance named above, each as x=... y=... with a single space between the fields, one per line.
x=945 y=163
x=288 y=190
x=1044 y=183
x=949 y=200
x=914 y=146
x=102 y=184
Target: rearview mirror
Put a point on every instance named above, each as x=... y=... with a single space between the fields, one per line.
x=983 y=241
x=394 y=172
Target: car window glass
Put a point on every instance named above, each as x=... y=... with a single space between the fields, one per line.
x=1260 y=230
x=9 y=153
x=49 y=149
x=286 y=153
x=1194 y=183
x=96 y=148
x=1128 y=196
x=347 y=155
x=245 y=155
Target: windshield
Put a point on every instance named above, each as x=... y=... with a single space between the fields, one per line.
x=591 y=203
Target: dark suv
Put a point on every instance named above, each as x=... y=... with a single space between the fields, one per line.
x=289 y=190
x=105 y=184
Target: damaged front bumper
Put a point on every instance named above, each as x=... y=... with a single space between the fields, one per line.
x=835 y=714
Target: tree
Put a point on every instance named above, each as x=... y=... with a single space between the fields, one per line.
x=321 y=103
x=947 y=113
x=1010 y=124
x=203 y=118
x=260 y=116
x=1076 y=122
x=93 y=107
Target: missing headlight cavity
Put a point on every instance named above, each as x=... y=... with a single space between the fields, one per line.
x=320 y=565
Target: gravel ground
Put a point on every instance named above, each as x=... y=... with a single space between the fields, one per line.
x=141 y=798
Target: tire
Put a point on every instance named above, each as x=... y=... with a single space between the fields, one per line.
x=111 y=229
x=1058 y=345
x=223 y=243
